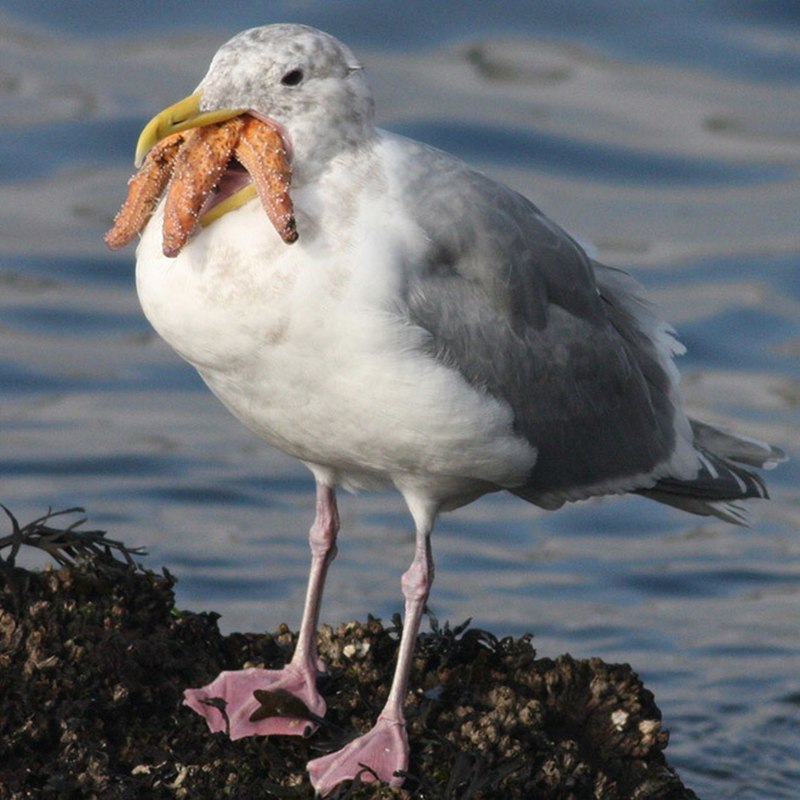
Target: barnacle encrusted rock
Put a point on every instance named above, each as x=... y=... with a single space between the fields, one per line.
x=93 y=664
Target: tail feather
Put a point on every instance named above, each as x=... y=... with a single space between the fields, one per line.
x=741 y=449
x=720 y=482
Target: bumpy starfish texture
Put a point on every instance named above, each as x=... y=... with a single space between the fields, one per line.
x=144 y=190
x=269 y=168
x=190 y=166
x=196 y=170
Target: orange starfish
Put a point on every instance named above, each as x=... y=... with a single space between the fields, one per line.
x=191 y=165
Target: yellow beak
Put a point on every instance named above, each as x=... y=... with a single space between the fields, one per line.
x=179 y=117
x=182 y=116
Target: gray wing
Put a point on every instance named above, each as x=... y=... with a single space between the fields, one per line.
x=516 y=305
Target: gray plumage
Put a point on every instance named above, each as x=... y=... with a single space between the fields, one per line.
x=570 y=344
x=429 y=328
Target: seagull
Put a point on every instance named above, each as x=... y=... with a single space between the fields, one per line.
x=429 y=329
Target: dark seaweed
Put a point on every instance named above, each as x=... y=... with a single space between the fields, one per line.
x=94 y=658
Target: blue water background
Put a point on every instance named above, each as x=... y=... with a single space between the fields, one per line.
x=666 y=136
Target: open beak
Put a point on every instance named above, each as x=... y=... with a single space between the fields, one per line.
x=181 y=116
x=257 y=164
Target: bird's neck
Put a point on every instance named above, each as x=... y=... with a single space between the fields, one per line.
x=327 y=158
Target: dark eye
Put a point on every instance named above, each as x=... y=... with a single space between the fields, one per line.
x=292 y=78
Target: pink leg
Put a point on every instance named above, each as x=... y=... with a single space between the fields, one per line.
x=233 y=691
x=384 y=749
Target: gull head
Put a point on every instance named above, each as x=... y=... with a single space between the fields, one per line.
x=305 y=81
x=302 y=84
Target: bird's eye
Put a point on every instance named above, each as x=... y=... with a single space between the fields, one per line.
x=292 y=78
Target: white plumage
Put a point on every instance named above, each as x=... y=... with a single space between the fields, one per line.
x=430 y=329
